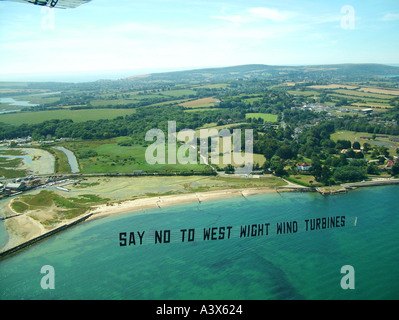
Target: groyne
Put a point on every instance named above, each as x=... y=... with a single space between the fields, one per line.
x=43 y=236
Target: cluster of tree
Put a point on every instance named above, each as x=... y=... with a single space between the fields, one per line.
x=329 y=164
x=366 y=125
x=135 y=125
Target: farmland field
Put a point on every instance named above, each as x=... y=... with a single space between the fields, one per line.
x=382 y=91
x=333 y=86
x=179 y=92
x=267 y=117
x=97 y=103
x=305 y=93
x=363 y=94
x=200 y=103
x=75 y=115
x=201 y=109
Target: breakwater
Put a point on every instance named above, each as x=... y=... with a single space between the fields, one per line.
x=373 y=183
x=296 y=188
x=43 y=236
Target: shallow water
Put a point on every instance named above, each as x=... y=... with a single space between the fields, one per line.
x=89 y=262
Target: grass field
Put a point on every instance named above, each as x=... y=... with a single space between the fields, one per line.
x=257 y=158
x=212 y=86
x=356 y=136
x=267 y=117
x=122 y=188
x=75 y=115
x=306 y=93
x=50 y=208
x=118 y=102
x=39 y=98
x=178 y=92
x=351 y=135
x=8 y=168
x=106 y=156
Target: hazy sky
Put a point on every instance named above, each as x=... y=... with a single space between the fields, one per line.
x=106 y=35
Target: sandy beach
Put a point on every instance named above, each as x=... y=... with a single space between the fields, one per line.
x=24 y=228
x=170 y=200
x=124 y=195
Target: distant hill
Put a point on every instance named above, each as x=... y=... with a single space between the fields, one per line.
x=252 y=71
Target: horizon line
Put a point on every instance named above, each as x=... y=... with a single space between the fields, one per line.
x=130 y=73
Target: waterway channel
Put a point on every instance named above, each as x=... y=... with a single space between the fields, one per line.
x=73 y=162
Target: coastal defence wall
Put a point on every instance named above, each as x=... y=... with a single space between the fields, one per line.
x=371 y=183
x=43 y=236
x=296 y=188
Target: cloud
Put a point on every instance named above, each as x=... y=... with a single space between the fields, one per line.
x=256 y=14
x=235 y=19
x=390 y=17
x=269 y=14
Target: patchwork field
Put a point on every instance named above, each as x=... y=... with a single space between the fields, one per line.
x=382 y=91
x=333 y=86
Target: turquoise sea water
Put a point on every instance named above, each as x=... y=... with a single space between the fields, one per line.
x=89 y=262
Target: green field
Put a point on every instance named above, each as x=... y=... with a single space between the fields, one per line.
x=364 y=94
x=8 y=168
x=305 y=93
x=54 y=208
x=351 y=136
x=267 y=117
x=107 y=156
x=179 y=92
x=356 y=136
x=75 y=115
x=201 y=109
x=118 y=102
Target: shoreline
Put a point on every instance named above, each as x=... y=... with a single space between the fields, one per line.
x=171 y=200
x=19 y=241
